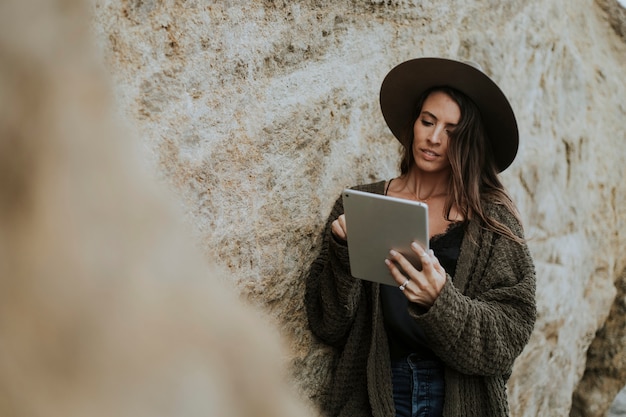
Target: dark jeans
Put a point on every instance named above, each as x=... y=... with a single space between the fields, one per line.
x=418 y=387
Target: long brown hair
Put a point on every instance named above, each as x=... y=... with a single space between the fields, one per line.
x=474 y=178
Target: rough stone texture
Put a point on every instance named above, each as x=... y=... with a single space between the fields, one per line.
x=259 y=113
x=616 y=14
x=107 y=308
x=618 y=409
x=605 y=371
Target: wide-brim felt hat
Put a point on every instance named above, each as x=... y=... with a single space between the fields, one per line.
x=405 y=83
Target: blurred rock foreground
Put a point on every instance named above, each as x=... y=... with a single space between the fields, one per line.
x=256 y=115
x=107 y=308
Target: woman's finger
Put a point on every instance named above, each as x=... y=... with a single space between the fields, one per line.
x=397 y=275
x=342 y=223
x=406 y=266
x=419 y=251
x=338 y=230
x=432 y=270
x=436 y=263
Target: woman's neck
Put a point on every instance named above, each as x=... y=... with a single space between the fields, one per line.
x=423 y=186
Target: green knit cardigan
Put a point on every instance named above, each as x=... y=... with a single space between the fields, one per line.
x=478 y=325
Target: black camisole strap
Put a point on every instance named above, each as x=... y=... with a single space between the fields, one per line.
x=388 y=184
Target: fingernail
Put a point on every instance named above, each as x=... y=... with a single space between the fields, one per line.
x=415 y=245
x=393 y=252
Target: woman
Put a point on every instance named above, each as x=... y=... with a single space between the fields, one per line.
x=444 y=341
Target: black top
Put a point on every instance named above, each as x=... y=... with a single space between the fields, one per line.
x=404 y=335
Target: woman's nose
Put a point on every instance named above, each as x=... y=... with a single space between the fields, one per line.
x=435 y=137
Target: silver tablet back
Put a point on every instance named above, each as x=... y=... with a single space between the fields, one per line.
x=375 y=225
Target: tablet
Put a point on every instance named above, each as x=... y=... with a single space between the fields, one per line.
x=376 y=224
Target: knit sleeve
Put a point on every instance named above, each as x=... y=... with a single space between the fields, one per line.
x=482 y=326
x=332 y=294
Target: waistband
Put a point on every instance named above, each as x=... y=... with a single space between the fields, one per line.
x=415 y=359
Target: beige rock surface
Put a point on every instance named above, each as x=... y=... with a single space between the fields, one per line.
x=258 y=113
x=107 y=308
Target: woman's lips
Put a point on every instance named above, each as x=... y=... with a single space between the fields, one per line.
x=429 y=155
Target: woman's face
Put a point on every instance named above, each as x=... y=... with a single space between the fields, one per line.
x=439 y=117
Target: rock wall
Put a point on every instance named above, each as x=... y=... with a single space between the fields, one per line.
x=258 y=113
x=107 y=308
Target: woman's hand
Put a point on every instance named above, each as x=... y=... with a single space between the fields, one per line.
x=338 y=227
x=421 y=287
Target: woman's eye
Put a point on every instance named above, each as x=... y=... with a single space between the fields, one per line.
x=427 y=122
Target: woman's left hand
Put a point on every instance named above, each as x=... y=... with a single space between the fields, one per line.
x=421 y=287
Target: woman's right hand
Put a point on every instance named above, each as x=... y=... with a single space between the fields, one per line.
x=338 y=227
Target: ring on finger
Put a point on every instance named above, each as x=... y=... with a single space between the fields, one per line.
x=403 y=286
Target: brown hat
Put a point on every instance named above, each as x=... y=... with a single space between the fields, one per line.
x=405 y=83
